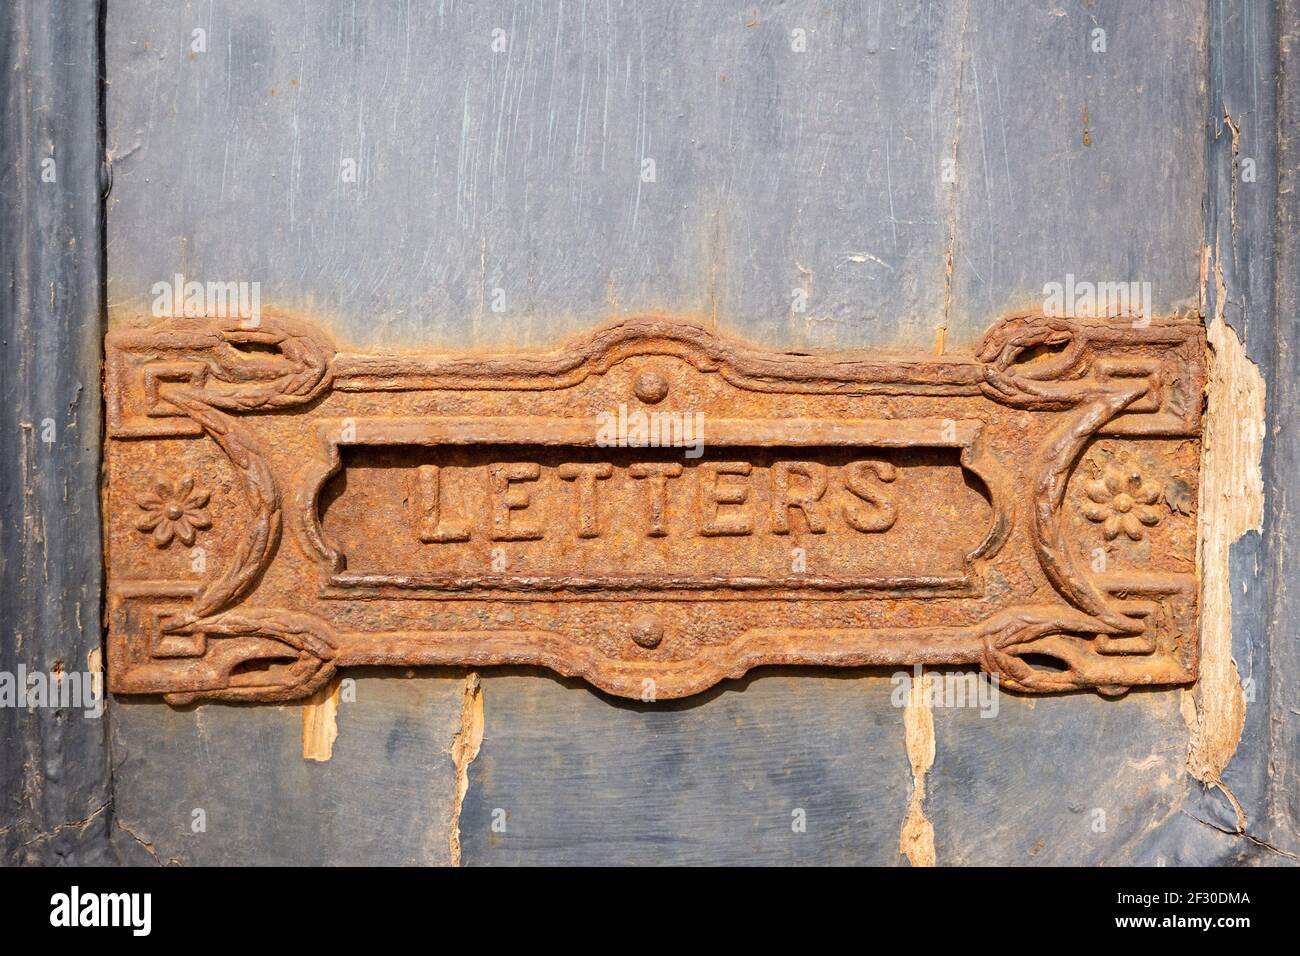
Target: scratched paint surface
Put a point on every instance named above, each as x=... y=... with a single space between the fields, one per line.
x=780 y=178
x=916 y=165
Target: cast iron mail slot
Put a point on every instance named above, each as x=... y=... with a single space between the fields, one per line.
x=654 y=508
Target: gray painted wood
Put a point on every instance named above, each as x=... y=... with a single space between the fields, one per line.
x=794 y=766
x=522 y=169
x=54 y=791
x=821 y=170
x=1066 y=782
x=775 y=170
x=1254 y=226
x=1280 y=823
x=228 y=785
x=1038 y=200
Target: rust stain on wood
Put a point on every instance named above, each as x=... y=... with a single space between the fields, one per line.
x=653 y=508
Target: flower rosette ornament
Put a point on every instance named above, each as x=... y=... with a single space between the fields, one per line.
x=1122 y=502
x=173 y=511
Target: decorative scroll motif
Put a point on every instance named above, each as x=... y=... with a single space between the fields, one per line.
x=653 y=509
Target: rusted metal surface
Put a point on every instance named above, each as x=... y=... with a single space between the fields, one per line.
x=654 y=508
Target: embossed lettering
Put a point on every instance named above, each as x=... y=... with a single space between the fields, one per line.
x=657 y=475
x=714 y=493
x=507 y=498
x=431 y=523
x=804 y=499
x=584 y=478
x=882 y=515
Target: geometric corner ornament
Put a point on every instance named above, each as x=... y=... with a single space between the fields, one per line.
x=653 y=508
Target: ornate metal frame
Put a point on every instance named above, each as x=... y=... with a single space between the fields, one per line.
x=260 y=414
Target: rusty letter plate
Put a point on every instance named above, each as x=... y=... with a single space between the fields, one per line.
x=654 y=508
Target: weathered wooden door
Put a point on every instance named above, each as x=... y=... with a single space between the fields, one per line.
x=408 y=180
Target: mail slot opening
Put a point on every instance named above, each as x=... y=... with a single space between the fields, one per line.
x=837 y=518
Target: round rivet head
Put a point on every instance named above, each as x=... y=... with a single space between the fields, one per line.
x=650 y=388
x=647 y=631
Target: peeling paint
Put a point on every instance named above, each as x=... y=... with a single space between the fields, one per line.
x=916 y=841
x=95 y=667
x=320 y=727
x=1232 y=503
x=1235 y=130
x=464 y=748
